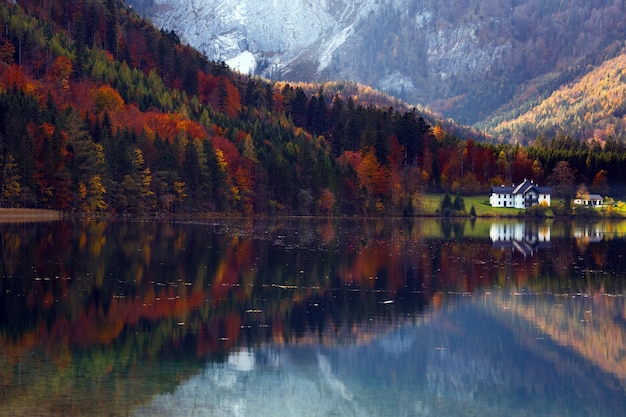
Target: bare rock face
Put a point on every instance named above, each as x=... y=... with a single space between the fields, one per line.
x=278 y=32
x=464 y=59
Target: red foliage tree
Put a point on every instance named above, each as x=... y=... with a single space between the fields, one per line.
x=521 y=167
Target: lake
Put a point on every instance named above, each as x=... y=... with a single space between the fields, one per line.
x=312 y=317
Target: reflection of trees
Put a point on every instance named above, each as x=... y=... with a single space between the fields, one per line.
x=122 y=273
x=146 y=290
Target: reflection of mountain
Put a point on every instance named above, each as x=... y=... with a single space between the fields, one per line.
x=526 y=238
x=461 y=360
x=591 y=326
x=107 y=300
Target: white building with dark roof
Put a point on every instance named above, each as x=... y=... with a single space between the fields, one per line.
x=524 y=195
x=593 y=200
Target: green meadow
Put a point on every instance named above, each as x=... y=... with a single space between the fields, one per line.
x=430 y=204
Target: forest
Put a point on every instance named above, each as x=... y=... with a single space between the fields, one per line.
x=100 y=112
x=545 y=45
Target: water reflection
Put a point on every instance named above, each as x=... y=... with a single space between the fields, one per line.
x=524 y=237
x=98 y=318
x=474 y=357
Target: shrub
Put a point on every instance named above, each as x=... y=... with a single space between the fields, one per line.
x=537 y=210
x=586 y=212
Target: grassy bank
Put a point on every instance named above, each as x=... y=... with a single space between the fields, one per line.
x=432 y=202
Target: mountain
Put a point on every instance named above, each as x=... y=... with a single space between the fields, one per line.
x=475 y=60
x=101 y=112
x=593 y=105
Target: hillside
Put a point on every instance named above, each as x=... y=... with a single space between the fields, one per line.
x=474 y=61
x=592 y=106
x=100 y=112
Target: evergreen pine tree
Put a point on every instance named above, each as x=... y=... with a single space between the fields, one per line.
x=446 y=205
x=458 y=204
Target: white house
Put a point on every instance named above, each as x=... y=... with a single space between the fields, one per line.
x=523 y=196
x=593 y=200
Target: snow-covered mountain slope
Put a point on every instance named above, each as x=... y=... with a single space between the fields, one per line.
x=324 y=39
x=465 y=59
x=276 y=33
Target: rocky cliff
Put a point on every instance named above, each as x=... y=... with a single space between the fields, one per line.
x=465 y=59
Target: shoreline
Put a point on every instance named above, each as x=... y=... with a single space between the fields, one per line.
x=23 y=215
x=16 y=215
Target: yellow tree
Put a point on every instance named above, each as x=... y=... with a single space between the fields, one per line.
x=179 y=191
x=106 y=98
x=373 y=177
x=95 y=195
x=143 y=179
x=11 y=186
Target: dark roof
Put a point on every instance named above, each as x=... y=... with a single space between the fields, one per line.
x=502 y=190
x=522 y=188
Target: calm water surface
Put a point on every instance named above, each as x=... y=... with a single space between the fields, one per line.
x=302 y=317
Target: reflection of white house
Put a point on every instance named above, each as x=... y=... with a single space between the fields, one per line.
x=506 y=232
x=589 y=233
x=519 y=236
x=593 y=200
x=523 y=196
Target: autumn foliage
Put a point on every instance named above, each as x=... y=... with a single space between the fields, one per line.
x=118 y=117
